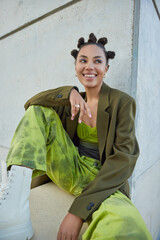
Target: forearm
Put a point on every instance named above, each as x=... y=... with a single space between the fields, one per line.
x=51 y=98
x=70 y=227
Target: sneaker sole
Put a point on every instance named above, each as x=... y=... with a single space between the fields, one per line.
x=20 y=232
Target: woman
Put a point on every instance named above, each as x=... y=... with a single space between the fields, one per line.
x=86 y=144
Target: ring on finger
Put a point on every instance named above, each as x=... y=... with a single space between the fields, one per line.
x=77 y=105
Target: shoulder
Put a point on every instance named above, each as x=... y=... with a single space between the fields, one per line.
x=116 y=98
x=122 y=102
x=119 y=95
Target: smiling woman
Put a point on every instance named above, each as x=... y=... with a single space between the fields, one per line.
x=86 y=144
x=91 y=67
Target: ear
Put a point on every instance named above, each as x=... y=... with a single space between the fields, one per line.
x=106 y=68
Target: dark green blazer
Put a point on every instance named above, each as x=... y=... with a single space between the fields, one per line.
x=118 y=147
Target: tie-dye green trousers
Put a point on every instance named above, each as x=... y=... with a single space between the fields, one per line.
x=40 y=142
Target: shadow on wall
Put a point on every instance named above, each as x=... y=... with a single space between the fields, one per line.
x=158 y=238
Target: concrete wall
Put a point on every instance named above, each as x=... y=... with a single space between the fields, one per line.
x=36 y=40
x=38 y=57
x=15 y=14
x=146 y=178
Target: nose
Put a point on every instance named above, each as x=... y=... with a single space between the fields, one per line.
x=89 y=65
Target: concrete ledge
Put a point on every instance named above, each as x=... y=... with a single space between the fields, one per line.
x=49 y=205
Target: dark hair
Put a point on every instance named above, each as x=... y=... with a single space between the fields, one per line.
x=93 y=41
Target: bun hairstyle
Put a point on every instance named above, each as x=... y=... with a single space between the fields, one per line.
x=93 y=41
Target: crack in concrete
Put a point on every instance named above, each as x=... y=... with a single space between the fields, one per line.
x=156 y=8
x=39 y=18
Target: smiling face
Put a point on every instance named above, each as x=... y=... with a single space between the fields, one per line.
x=91 y=66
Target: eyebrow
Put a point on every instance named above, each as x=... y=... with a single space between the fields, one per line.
x=93 y=57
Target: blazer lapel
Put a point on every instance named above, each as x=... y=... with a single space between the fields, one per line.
x=103 y=118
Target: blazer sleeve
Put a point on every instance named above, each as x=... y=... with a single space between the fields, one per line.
x=51 y=98
x=117 y=167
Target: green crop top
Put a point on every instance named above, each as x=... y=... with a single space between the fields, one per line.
x=88 y=141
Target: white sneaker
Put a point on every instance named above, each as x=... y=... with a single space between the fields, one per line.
x=15 y=222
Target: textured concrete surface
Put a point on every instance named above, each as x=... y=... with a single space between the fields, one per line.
x=146 y=178
x=38 y=57
x=49 y=205
x=3 y=155
x=147 y=197
x=15 y=14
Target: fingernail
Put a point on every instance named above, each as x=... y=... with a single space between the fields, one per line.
x=80 y=121
x=72 y=118
x=90 y=115
x=72 y=114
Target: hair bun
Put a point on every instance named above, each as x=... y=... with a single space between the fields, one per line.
x=110 y=54
x=80 y=42
x=103 y=41
x=92 y=38
x=74 y=53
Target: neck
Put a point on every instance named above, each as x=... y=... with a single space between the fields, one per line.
x=93 y=93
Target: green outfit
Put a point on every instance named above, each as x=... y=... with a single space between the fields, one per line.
x=117 y=145
x=40 y=142
x=87 y=133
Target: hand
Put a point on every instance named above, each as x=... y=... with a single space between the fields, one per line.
x=76 y=99
x=70 y=227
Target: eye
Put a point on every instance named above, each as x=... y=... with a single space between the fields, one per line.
x=98 y=61
x=82 y=60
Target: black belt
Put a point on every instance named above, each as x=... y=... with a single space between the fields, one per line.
x=89 y=150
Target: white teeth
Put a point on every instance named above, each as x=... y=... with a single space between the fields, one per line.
x=89 y=75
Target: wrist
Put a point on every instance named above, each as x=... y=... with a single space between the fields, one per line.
x=76 y=88
x=76 y=217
